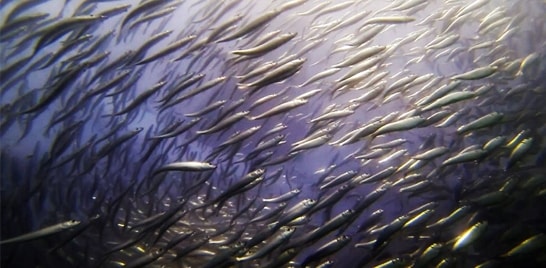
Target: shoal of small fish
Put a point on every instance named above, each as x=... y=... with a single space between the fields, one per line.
x=298 y=133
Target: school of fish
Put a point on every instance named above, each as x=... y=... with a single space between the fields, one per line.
x=283 y=133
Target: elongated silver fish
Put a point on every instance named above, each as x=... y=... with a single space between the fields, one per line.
x=186 y=166
x=273 y=133
x=50 y=230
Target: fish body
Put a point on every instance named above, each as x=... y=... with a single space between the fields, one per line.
x=400 y=125
x=267 y=46
x=280 y=109
x=224 y=123
x=47 y=231
x=57 y=30
x=519 y=151
x=469 y=236
x=477 y=73
x=252 y=25
x=187 y=166
x=276 y=75
x=229 y=133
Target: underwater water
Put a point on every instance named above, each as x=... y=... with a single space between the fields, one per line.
x=303 y=133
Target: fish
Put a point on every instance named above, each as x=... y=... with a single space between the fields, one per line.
x=327 y=202
x=389 y=20
x=432 y=153
x=320 y=75
x=140 y=52
x=46 y=231
x=66 y=47
x=204 y=87
x=440 y=92
x=296 y=211
x=312 y=143
x=367 y=33
x=141 y=98
x=428 y=255
x=327 y=227
x=168 y=49
x=182 y=85
x=114 y=11
x=282 y=198
x=280 y=108
x=389 y=230
x=327 y=10
x=519 y=151
x=266 y=47
x=278 y=74
x=338 y=179
x=53 y=32
x=152 y=16
x=378 y=176
x=362 y=54
x=403 y=124
x=469 y=236
x=186 y=166
x=252 y=26
x=238 y=187
x=224 y=123
x=57 y=88
x=139 y=10
x=448 y=99
x=465 y=156
x=287 y=133
x=478 y=73
x=326 y=250
x=418 y=219
x=527 y=246
x=270 y=246
x=482 y=122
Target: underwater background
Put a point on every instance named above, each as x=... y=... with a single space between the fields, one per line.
x=304 y=133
